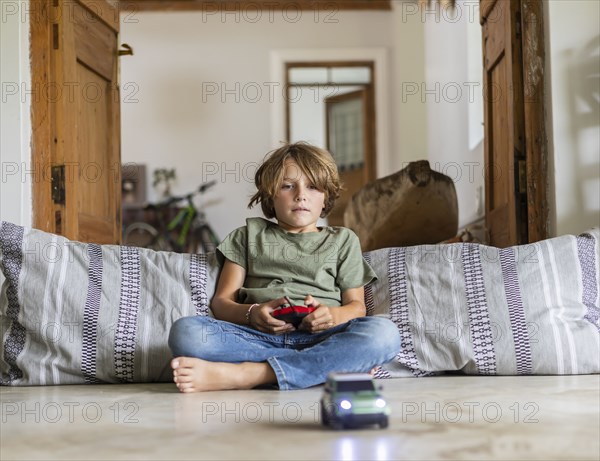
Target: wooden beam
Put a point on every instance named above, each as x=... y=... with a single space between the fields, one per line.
x=41 y=142
x=249 y=5
x=536 y=150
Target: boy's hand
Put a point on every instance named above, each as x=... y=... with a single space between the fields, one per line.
x=323 y=318
x=262 y=320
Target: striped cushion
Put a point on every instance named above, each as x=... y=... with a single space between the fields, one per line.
x=83 y=313
x=531 y=309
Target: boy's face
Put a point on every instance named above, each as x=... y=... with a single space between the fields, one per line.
x=298 y=204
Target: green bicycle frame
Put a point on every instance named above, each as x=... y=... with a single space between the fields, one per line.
x=186 y=215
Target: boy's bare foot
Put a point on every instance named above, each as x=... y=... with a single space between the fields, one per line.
x=196 y=375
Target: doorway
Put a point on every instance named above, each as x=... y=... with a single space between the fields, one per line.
x=332 y=105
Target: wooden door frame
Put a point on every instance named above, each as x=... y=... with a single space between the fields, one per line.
x=41 y=33
x=41 y=134
x=371 y=153
x=536 y=147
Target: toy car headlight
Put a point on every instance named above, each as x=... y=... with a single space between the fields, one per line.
x=380 y=403
x=345 y=404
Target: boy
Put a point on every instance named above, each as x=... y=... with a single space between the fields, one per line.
x=264 y=265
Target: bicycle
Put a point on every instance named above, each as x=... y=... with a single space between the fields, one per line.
x=187 y=232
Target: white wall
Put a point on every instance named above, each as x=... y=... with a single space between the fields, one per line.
x=573 y=64
x=307 y=118
x=409 y=115
x=15 y=127
x=197 y=92
x=452 y=93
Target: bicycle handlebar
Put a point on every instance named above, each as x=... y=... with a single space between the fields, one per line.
x=178 y=198
x=206 y=185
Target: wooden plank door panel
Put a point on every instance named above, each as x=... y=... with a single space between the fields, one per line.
x=504 y=123
x=501 y=211
x=93 y=213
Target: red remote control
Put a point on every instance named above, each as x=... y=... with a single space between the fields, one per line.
x=292 y=314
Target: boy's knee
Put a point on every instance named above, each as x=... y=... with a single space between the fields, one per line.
x=384 y=333
x=180 y=326
x=177 y=334
x=185 y=332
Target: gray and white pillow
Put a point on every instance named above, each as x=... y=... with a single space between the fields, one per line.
x=84 y=313
x=530 y=309
x=74 y=312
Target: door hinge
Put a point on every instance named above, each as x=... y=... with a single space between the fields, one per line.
x=55 y=36
x=522 y=177
x=58 y=222
x=58 y=184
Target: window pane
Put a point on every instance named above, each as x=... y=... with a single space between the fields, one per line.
x=308 y=75
x=351 y=75
x=346 y=134
x=355 y=386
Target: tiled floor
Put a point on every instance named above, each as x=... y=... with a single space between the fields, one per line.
x=451 y=417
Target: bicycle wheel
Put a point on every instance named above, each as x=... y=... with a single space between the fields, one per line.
x=141 y=234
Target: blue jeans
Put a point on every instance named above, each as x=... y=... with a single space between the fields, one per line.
x=299 y=359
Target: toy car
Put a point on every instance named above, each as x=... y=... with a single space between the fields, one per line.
x=350 y=400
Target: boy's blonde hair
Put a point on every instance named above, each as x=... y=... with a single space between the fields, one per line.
x=316 y=163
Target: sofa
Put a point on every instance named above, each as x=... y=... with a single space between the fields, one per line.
x=77 y=313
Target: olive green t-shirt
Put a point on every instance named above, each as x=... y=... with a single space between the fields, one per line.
x=279 y=263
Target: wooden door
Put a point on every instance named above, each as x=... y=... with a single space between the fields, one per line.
x=515 y=136
x=76 y=138
x=504 y=140
x=349 y=139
